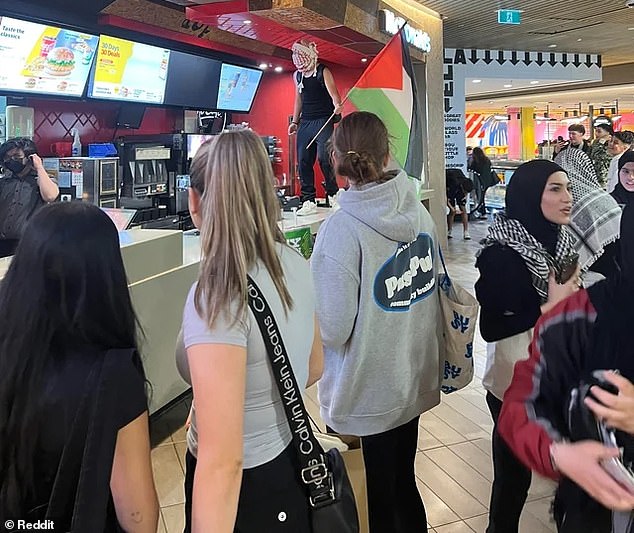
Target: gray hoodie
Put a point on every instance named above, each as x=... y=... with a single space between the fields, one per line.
x=374 y=265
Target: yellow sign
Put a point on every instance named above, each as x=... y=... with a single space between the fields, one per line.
x=112 y=59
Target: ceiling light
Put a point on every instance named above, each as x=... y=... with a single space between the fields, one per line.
x=579 y=39
x=278 y=69
x=631 y=29
x=364 y=60
x=534 y=82
x=476 y=81
x=491 y=101
x=263 y=66
x=508 y=85
x=552 y=46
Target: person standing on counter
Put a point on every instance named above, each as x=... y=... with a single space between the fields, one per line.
x=316 y=98
x=24 y=188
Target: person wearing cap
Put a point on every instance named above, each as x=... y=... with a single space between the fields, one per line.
x=599 y=151
x=575 y=140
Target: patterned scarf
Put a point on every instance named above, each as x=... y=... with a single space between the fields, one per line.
x=596 y=217
x=305 y=60
x=511 y=233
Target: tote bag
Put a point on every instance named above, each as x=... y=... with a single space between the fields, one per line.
x=459 y=316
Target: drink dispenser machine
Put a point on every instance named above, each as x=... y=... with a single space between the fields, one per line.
x=145 y=170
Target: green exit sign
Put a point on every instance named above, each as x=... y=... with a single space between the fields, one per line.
x=509 y=16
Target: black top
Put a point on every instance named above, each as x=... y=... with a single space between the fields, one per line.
x=19 y=199
x=59 y=405
x=509 y=302
x=316 y=101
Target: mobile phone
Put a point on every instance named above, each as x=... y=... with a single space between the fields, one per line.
x=619 y=472
x=560 y=139
x=568 y=268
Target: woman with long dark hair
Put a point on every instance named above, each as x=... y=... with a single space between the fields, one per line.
x=526 y=266
x=74 y=440
x=483 y=178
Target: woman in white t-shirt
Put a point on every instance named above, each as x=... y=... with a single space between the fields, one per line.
x=242 y=473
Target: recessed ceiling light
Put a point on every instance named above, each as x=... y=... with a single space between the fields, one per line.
x=508 y=85
x=552 y=46
x=534 y=82
x=631 y=29
x=364 y=60
x=491 y=101
x=278 y=69
x=263 y=66
x=247 y=22
x=476 y=81
x=579 y=39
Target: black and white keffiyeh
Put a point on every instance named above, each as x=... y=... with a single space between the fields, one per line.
x=510 y=232
x=595 y=218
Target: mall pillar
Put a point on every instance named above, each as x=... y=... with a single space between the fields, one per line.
x=521 y=133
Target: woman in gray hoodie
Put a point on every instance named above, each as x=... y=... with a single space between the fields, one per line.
x=374 y=267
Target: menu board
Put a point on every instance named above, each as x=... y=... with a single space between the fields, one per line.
x=44 y=59
x=129 y=71
x=238 y=86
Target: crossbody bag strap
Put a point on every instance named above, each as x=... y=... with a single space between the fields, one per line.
x=314 y=470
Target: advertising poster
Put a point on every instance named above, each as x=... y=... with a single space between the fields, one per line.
x=44 y=59
x=237 y=87
x=131 y=72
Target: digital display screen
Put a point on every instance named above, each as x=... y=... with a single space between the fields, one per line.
x=192 y=81
x=36 y=58
x=194 y=142
x=238 y=86
x=129 y=71
x=120 y=217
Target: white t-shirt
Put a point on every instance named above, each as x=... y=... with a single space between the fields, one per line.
x=266 y=430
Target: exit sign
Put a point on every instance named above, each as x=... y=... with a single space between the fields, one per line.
x=509 y=16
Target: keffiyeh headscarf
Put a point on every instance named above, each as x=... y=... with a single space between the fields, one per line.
x=305 y=58
x=543 y=246
x=596 y=216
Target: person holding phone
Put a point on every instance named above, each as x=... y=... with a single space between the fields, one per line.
x=24 y=188
x=527 y=265
x=589 y=332
x=575 y=140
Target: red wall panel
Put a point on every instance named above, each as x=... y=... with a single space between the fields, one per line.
x=274 y=104
x=54 y=120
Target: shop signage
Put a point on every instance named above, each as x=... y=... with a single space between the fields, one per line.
x=509 y=16
x=454 y=93
x=391 y=23
x=210 y=115
x=601 y=119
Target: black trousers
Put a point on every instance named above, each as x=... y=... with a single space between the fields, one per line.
x=7 y=247
x=272 y=497
x=306 y=157
x=394 y=503
x=511 y=480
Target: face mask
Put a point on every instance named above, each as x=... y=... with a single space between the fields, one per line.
x=16 y=167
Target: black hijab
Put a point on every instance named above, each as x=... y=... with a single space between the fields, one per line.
x=524 y=201
x=612 y=298
x=620 y=194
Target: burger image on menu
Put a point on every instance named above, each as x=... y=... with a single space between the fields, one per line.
x=60 y=61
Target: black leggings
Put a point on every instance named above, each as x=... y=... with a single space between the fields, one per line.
x=272 y=497
x=511 y=480
x=394 y=503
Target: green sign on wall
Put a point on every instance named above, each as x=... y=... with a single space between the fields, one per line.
x=509 y=16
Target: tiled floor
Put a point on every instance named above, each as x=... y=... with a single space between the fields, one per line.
x=453 y=464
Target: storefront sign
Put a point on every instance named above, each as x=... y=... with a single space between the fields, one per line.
x=391 y=23
x=454 y=92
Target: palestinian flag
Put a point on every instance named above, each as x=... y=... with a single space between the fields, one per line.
x=387 y=88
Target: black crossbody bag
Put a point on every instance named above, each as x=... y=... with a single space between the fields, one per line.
x=330 y=496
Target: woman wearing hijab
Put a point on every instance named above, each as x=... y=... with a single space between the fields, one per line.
x=624 y=191
x=576 y=342
x=596 y=216
x=522 y=261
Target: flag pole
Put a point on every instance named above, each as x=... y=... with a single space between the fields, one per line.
x=342 y=102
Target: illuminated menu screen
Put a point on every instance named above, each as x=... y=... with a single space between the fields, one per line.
x=237 y=88
x=129 y=71
x=36 y=58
